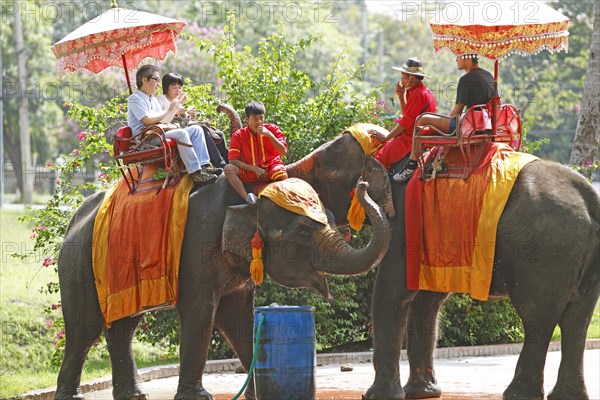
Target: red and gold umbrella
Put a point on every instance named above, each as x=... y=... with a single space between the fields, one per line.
x=118 y=37
x=496 y=29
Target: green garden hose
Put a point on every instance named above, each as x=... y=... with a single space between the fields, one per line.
x=254 y=351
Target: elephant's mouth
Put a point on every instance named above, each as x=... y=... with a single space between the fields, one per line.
x=313 y=280
x=320 y=285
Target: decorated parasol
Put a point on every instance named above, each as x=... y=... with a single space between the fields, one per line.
x=119 y=38
x=496 y=29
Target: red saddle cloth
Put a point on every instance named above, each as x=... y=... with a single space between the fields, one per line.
x=137 y=247
x=451 y=223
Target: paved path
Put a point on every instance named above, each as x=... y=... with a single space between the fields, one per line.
x=463 y=378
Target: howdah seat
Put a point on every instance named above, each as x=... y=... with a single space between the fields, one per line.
x=149 y=146
x=472 y=127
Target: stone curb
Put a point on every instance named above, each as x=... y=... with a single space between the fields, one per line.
x=214 y=366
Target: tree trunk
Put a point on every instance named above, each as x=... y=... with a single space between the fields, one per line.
x=587 y=135
x=27 y=169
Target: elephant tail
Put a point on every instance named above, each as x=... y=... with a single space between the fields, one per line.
x=589 y=282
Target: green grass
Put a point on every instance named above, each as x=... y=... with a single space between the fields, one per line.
x=593 y=330
x=26 y=342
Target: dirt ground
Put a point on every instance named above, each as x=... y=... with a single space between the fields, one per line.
x=356 y=395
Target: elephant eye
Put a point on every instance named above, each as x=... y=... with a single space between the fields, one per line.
x=303 y=233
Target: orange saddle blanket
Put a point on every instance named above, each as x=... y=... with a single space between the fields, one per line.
x=137 y=247
x=451 y=223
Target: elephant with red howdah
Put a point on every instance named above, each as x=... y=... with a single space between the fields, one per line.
x=546 y=261
x=214 y=281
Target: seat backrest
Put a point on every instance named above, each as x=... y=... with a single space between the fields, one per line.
x=508 y=119
x=475 y=119
x=122 y=139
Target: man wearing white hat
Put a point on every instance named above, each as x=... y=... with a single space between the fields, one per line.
x=418 y=100
x=475 y=87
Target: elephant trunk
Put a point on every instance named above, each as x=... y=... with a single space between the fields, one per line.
x=342 y=259
x=302 y=169
x=235 y=122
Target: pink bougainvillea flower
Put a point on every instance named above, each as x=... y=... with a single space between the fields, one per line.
x=49 y=164
x=49 y=324
x=81 y=135
x=102 y=176
x=48 y=261
x=397 y=120
x=58 y=182
x=75 y=153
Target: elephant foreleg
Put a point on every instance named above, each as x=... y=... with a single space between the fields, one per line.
x=234 y=318
x=421 y=340
x=196 y=314
x=390 y=307
x=573 y=328
x=125 y=379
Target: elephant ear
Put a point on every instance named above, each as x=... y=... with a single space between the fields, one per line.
x=380 y=188
x=238 y=228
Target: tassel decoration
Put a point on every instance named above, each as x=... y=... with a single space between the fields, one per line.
x=256 y=266
x=356 y=213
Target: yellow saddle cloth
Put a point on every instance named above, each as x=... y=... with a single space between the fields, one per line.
x=451 y=223
x=137 y=246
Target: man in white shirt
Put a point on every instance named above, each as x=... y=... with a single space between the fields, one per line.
x=143 y=110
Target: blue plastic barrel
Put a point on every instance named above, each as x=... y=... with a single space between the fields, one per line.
x=286 y=355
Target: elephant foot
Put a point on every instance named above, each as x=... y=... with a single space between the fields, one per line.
x=519 y=391
x=64 y=395
x=132 y=394
x=249 y=393
x=140 y=397
x=385 y=391
x=563 y=393
x=197 y=394
x=422 y=390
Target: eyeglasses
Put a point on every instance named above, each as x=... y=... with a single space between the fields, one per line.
x=154 y=78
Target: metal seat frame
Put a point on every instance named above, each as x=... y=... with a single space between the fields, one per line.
x=147 y=147
x=468 y=124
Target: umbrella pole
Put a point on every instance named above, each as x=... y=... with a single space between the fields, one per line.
x=127 y=74
x=495 y=100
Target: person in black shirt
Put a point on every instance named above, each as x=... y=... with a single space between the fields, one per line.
x=475 y=87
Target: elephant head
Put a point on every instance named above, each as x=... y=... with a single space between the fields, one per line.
x=299 y=251
x=333 y=171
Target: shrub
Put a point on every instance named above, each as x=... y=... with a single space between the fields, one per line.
x=467 y=322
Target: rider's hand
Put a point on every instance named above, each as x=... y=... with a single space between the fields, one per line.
x=182 y=98
x=399 y=89
x=378 y=135
x=261 y=130
x=259 y=171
